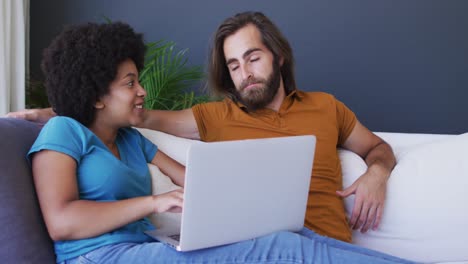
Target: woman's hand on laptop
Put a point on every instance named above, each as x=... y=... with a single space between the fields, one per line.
x=169 y=202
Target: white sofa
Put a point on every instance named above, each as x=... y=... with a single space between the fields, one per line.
x=426 y=211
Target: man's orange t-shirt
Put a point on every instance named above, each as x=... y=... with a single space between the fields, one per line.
x=301 y=113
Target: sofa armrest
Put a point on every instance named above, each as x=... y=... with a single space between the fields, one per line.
x=24 y=235
x=425 y=212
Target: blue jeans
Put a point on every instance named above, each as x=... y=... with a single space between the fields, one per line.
x=281 y=247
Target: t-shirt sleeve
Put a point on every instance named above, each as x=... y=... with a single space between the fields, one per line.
x=209 y=116
x=346 y=120
x=62 y=135
x=149 y=148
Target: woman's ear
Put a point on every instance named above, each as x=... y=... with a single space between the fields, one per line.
x=99 y=105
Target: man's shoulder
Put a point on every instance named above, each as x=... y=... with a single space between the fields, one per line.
x=316 y=97
x=218 y=105
x=215 y=110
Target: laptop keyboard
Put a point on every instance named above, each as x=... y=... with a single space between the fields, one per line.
x=175 y=237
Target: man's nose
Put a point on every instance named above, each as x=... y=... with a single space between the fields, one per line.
x=246 y=72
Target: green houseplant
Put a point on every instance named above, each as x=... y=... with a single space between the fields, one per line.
x=166 y=77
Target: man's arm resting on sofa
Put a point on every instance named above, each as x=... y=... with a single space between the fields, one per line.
x=39 y=115
x=371 y=187
x=178 y=123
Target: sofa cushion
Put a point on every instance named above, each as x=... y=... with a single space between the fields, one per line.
x=24 y=236
x=425 y=212
x=161 y=184
x=176 y=148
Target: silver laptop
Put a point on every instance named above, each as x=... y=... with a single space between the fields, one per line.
x=239 y=190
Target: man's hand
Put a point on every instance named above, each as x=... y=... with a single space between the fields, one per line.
x=371 y=187
x=41 y=115
x=369 y=191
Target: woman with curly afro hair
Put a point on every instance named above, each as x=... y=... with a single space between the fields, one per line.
x=89 y=166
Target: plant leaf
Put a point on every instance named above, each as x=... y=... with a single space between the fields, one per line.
x=167 y=78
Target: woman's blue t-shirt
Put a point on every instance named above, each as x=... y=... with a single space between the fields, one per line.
x=101 y=176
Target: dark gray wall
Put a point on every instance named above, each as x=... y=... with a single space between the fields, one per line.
x=400 y=65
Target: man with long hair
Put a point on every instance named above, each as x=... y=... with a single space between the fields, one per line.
x=252 y=67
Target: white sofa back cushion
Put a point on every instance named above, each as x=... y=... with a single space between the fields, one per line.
x=176 y=148
x=426 y=211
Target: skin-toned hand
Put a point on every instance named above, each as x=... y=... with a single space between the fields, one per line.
x=40 y=115
x=371 y=187
x=369 y=191
x=169 y=202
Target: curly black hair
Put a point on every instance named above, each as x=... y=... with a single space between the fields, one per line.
x=82 y=61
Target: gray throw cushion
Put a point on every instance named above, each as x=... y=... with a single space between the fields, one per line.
x=24 y=237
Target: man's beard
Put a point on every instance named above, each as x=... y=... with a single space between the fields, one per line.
x=259 y=97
